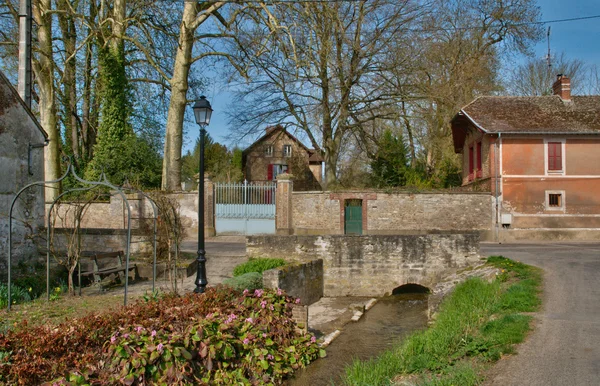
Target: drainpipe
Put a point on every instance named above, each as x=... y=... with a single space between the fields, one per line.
x=496 y=153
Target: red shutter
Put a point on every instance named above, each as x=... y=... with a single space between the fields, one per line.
x=554 y=156
x=478 y=155
x=270 y=172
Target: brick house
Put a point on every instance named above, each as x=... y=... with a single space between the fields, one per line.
x=540 y=159
x=277 y=152
x=21 y=162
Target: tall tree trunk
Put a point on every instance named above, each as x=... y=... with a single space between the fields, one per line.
x=69 y=38
x=44 y=71
x=171 y=173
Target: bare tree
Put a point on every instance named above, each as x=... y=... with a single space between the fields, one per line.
x=317 y=69
x=535 y=78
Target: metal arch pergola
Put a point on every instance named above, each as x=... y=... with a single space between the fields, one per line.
x=155 y=218
x=91 y=185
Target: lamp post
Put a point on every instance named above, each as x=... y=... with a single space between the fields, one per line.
x=202 y=113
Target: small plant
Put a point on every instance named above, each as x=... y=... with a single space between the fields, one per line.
x=249 y=281
x=259 y=265
x=18 y=295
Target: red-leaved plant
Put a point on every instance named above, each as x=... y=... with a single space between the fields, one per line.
x=220 y=337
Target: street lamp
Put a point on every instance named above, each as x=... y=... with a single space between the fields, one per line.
x=202 y=113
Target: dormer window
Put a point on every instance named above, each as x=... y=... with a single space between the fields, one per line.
x=269 y=151
x=287 y=150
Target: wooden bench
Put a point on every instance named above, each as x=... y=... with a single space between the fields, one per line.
x=100 y=265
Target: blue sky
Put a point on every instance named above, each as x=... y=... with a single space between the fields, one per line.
x=577 y=39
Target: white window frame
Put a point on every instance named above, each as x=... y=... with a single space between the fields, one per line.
x=563 y=198
x=269 y=151
x=563 y=157
x=285 y=152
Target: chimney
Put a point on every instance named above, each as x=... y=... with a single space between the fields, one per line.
x=562 y=87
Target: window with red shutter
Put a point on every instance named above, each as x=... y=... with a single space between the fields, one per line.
x=479 y=161
x=554 y=156
x=270 y=172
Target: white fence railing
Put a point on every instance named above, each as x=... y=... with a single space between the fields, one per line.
x=245 y=200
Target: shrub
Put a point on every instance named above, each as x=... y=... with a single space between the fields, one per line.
x=259 y=265
x=219 y=337
x=250 y=281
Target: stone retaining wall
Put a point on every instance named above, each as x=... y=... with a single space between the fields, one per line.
x=315 y=213
x=302 y=280
x=374 y=265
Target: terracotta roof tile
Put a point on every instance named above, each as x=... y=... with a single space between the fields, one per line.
x=546 y=114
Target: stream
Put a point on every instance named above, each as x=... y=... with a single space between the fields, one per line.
x=391 y=319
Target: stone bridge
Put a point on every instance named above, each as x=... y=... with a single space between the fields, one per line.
x=374 y=265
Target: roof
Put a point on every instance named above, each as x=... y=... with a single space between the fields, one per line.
x=528 y=115
x=8 y=100
x=273 y=130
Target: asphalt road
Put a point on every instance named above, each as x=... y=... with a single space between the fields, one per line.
x=564 y=348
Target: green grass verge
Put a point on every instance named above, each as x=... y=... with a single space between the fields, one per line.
x=476 y=325
x=259 y=265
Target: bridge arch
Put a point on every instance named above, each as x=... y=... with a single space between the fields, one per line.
x=411 y=288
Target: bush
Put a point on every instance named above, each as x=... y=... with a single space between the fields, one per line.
x=249 y=281
x=259 y=265
x=219 y=337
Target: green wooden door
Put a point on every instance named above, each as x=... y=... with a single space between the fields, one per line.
x=353 y=217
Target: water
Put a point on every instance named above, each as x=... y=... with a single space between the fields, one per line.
x=390 y=320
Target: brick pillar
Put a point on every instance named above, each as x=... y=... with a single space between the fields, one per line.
x=283 y=204
x=209 y=206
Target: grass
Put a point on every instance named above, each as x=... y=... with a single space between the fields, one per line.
x=478 y=324
x=259 y=265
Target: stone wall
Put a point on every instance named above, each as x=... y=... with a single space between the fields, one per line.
x=21 y=163
x=374 y=265
x=301 y=280
x=316 y=213
x=105 y=240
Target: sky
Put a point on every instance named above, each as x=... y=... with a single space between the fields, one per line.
x=577 y=39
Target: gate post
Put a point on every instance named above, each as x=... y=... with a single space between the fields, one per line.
x=209 y=206
x=283 y=204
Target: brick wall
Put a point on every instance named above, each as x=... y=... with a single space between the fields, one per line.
x=374 y=265
x=300 y=280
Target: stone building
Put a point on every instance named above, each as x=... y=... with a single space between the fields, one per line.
x=21 y=162
x=540 y=158
x=278 y=152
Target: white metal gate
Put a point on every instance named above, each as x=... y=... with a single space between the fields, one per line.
x=246 y=208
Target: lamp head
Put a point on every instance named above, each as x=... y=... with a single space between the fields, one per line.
x=202 y=111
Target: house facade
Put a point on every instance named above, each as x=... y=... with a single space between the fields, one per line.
x=278 y=152
x=21 y=162
x=540 y=158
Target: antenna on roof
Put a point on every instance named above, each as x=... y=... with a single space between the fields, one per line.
x=548 y=57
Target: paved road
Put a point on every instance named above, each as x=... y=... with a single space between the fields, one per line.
x=564 y=349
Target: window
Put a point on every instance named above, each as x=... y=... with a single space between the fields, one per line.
x=555 y=200
x=287 y=150
x=269 y=151
x=273 y=170
x=479 y=162
x=555 y=157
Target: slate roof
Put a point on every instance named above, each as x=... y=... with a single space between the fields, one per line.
x=542 y=114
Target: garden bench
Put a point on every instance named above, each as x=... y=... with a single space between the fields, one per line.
x=100 y=265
